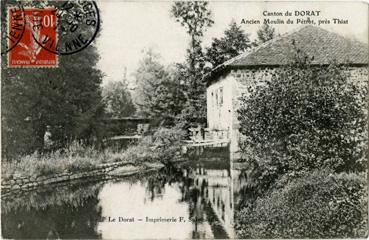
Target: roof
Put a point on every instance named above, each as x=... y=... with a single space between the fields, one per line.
x=321 y=45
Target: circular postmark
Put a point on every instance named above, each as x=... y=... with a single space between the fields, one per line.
x=13 y=25
x=72 y=26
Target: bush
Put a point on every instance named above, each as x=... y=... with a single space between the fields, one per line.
x=168 y=137
x=305 y=118
x=167 y=143
x=317 y=205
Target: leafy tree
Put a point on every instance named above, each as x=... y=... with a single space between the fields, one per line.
x=195 y=17
x=118 y=100
x=65 y=101
x=266 y=33
x=169 y=97
x=159 y=91
x=233 y=43
x=148 y=76
x=305 y=118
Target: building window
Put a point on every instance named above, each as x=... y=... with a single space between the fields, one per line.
x=212 y=99
x=221 y=96
x=216 y=97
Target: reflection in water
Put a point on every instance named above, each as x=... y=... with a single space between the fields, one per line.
x=62 y=212
x=244 y=185
x=200 y=193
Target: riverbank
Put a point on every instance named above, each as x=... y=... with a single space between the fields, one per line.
x=81 y=208
x=103 y=171
x=78 y=161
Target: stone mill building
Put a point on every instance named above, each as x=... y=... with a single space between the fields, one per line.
x=228 y=81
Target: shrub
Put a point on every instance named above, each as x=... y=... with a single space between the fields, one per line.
x=305 y=118
x=167 y=143
x=168 y=137
x=317 y=205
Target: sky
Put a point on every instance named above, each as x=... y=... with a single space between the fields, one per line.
x=129 y=27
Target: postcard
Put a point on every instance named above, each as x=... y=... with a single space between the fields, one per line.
x=184 y=119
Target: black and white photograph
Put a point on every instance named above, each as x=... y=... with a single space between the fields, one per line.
x=184 y=119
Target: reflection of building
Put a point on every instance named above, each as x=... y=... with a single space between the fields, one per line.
x=241 y=184
x=215 y=186
x=228 y=81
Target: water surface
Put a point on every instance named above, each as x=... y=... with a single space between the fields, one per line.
x=197 y=195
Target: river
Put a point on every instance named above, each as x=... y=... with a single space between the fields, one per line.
x=192 y=201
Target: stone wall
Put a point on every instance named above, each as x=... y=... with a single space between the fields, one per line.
x=20 y=183
x=358 y=75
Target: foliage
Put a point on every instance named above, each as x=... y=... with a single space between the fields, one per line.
x=162 y=146
x=266 y=33
x=233 y=43
x=75 y=157
x=147 y=76
x=168 y=98
x=305 y=118
x=194 y=108
x=317 y=205
x=159 y=92
x=118 y=100
x=66 y=101
x=195 y=17
x=168 y=137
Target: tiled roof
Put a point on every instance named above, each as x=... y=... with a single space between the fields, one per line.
x=321 y=45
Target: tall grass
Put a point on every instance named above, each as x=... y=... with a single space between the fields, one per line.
x=77 y=156
x=73 y=158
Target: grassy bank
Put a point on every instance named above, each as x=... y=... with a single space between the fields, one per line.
x=162 y=146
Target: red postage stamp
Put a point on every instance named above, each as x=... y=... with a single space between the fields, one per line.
x=40 y=24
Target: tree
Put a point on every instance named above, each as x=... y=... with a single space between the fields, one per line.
x=169 y=98
x=65 y=101
x=118 y=100
x=195 y=17
x=233 y=43
x=305 y=118
x=148 y=76
x=266 y=33
x=159 y=92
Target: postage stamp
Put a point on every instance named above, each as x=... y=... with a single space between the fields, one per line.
x=38 y=35
x=39 y=23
